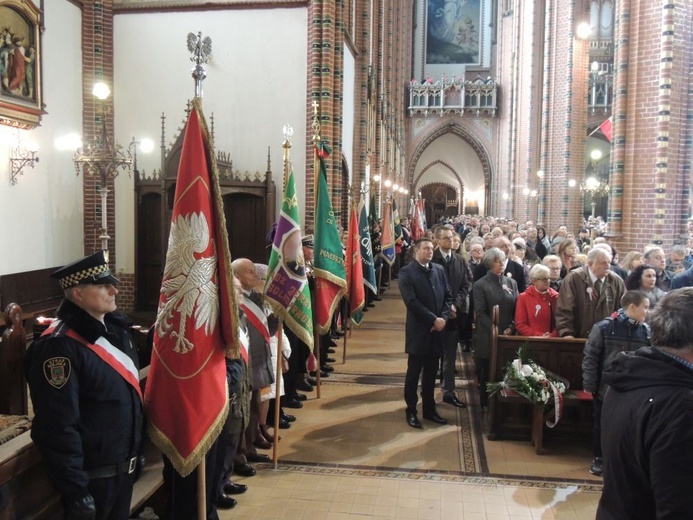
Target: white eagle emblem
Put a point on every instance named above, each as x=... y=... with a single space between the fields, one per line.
x=189 y=287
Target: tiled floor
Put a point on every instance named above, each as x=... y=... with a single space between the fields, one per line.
x=351 y=454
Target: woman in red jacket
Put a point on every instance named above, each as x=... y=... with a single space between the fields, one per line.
x=534 y=312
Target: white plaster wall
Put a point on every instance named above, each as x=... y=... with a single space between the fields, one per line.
x=447 y=153
x=256 y=83
x=348 y=110
x=41 y=216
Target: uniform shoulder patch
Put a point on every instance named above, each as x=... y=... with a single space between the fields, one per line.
x=57 y=371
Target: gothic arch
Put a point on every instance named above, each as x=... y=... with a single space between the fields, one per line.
x=433 y=163
x=452 y=127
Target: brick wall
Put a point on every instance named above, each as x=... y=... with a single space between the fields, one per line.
x=651 y=167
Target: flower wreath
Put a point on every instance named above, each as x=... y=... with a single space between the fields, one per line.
x=529 y=380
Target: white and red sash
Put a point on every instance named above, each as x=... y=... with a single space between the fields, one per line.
x=244 y=344
x=256 y=317
x=109 y=354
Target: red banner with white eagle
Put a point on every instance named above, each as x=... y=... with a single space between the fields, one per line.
x=186 y=395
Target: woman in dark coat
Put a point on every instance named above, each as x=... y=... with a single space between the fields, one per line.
x=493 y=289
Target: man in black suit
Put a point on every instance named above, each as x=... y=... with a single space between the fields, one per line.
x=460 y=282
x=426 y=294
x=512 y=269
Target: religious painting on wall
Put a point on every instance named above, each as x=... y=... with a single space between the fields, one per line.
x=20 y=64
x=452 y=32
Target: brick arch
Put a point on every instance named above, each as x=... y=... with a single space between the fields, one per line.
x=462 y=132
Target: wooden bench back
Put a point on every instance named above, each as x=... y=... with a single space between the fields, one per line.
x=562 y=356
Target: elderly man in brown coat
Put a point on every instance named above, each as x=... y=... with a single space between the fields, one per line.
x=588 y=294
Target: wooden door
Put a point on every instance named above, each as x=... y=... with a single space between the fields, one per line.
x=149 y=254
x=247 y=226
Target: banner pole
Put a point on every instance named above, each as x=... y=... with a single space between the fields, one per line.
x=345 y=330
x=201 y=494
x=277 y=394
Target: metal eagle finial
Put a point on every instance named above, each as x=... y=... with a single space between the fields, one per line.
x=201 y=49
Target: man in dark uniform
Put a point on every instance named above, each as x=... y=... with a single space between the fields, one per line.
x=84 y=380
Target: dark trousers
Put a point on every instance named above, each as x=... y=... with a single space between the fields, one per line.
x=181 y=492
x=418 y=363
x=112 y=496
x=228 y=445
x=449 y=358
x=482 y=368
x=597 y=426
x=253 y=422
x=297 y=362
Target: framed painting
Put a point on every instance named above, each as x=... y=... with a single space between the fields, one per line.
x=20 y=64
x=452 y=32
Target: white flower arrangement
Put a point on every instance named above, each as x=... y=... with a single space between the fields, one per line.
x=529 y=380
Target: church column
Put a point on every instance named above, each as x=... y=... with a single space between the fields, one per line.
x=97 y=66
x=565 y=109
x=651 y=130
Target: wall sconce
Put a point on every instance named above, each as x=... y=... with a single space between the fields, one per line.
x=376 y=178
x=21 y=157
x=572 y=183
x=387 y=183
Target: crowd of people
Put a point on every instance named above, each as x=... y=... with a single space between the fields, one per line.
x=545 y=285
x=566 y=286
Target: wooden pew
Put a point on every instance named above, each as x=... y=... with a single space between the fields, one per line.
x=26 y=492
x=512 y=416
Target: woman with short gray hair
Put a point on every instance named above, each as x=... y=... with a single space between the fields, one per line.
x=534 y=313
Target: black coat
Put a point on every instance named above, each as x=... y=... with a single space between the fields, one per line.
x=426 y=294
x=459 y=278
x=607 y=339
x=87 y=415
x=647 y=434
x=492 y=290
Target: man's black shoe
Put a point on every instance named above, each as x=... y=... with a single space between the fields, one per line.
x=365 y=308
x=371 y=304
x=413 y=421
x=300 y=397
x=597 y=467
x=331 y=350
x=231 y=488
x=293 y=403
x=326 y=368
x=226 y=502
x=286 y=417
x=434 y=417
x=304 y=386
x=258 y=457
x=284 y=425
x=378 y=298
x=330 y=343
x=338 y=333
x=330 y=360
x=454 y=401
x=312 y=381
x=244 y=470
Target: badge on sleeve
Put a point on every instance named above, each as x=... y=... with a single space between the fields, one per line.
x=57 y=371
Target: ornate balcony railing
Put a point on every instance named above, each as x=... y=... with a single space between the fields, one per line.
x=600 y=88
x=453 y=96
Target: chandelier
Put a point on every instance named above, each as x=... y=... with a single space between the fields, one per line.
x=102 y=157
